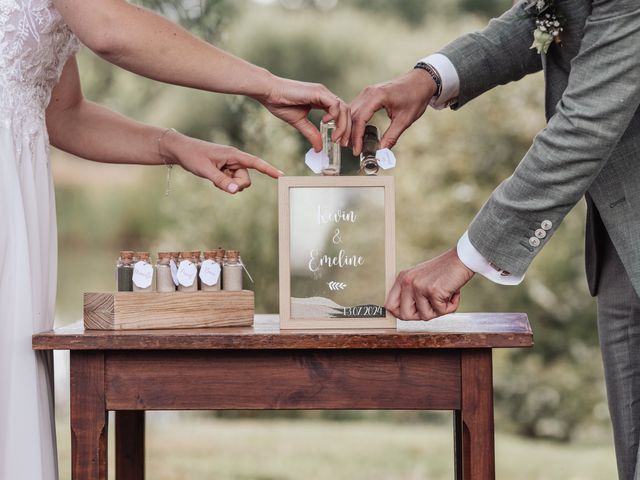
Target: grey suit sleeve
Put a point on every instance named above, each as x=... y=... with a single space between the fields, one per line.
x=497 y=55
x=601 y=98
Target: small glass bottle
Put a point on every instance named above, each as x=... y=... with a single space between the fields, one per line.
x=220 y=254
x=210 y=272
x=197 y=255
x=370 y=146
x=173 y=264
x=124 y=271
x=187 y=272
x=142 y=273
x=330 y=148
x=232 y=271
x=164 y=279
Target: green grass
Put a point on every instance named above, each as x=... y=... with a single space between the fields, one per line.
x=199 y=447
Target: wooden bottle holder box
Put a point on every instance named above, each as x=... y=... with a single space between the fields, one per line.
x=153 y=310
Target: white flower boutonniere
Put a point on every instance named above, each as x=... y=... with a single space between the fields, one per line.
x=549 y=24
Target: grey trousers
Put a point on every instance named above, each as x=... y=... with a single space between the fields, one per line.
x=619 y=331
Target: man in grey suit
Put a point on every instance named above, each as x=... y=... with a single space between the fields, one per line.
x=590 y=147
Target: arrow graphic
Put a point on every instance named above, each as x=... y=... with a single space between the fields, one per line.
x=336 y=285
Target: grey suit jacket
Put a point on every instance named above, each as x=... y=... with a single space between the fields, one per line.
x=591 y=144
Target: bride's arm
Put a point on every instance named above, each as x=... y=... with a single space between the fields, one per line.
x=146 y=43
x=91 y=131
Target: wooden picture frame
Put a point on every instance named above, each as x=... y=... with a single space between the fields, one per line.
x=297 y=186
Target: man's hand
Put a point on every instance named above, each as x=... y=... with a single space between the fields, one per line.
x=405 y=99
x=430 y=289
x=291 y=101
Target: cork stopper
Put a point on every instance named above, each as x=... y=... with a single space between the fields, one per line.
x=164 y=257
x=185 y=256
x=142 y=256
x=175 y=255
x=196 y=254
x=233 y=256
x=126 y=256
x=370 y=141
x=209 y=254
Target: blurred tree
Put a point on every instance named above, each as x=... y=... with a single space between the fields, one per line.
x=412 y=12
x=487 y=8
x=205 y=18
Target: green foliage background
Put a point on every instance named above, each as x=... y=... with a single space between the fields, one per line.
x=449 y=162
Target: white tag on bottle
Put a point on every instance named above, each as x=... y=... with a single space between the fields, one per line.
x=210 y=272
x=187 y=272
x=142 y=274
x=386 y=159
x=316 y=161
x=174 y=272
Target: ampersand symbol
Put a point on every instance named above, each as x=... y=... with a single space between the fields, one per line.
x=336 y=237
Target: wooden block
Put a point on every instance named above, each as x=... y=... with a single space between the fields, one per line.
x=152 y=310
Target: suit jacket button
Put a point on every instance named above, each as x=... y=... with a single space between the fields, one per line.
x=546 y=224
x=534 y=242
x=540 y=233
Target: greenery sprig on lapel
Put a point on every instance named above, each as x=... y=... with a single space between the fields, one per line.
x=549 y=24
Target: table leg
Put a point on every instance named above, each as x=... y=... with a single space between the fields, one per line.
x=457 y=443
x=476 y=425
x=130 y=445
x=89 y=421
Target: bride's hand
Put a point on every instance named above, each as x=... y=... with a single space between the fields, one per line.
x=291 y=101
x=227 y=167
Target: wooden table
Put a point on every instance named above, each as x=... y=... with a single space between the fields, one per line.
x=444 y=364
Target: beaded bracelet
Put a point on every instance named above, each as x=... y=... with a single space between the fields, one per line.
x=434 y=75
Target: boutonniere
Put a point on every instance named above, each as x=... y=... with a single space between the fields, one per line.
x=549 y=24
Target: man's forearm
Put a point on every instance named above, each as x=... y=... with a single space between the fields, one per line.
x=597 y=106
x=496 y=55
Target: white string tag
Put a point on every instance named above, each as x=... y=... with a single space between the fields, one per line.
x=174 y=272
x=187 y=272
x=247 y=271
x=142 y=274
x=210 y=272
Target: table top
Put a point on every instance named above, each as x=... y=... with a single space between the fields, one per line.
x=460 y=330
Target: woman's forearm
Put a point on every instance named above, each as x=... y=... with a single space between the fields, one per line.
x=96 y=133
x=147 y=44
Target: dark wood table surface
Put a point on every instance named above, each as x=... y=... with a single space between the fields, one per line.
x=444 y=364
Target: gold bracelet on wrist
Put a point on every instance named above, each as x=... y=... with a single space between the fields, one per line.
x=168 y=165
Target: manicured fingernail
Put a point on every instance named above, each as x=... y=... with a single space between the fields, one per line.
x=280 y=172
x=233 y=188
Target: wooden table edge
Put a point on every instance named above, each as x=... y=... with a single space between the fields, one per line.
x=511 y=331
x=51 y=341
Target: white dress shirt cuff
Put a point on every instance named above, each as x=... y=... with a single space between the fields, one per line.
x=475 y=261
x=449 y=77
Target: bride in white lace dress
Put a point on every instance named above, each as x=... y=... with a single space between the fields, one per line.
x=41 y=102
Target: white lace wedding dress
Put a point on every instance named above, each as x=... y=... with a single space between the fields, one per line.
x=34 y=45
